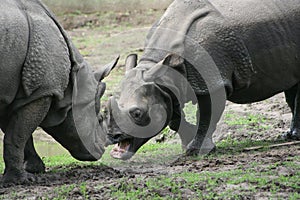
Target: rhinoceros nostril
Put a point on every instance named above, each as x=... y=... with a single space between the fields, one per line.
x=136 y=113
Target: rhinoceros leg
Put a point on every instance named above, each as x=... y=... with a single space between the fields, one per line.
x=20 y=127
x=202 y=142
x=293 y=99
x=32 y=162
x=187 y=134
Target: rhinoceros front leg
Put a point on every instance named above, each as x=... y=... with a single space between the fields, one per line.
x=20 y=127
x=32 y=162
x=293 y=99
x=185 y=130
x=210 y=114
x=188 y=132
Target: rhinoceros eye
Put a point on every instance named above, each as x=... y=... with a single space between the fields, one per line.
x=136 y=113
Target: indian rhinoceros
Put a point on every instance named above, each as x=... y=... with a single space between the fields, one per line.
x=207 y=52
x=44 y=81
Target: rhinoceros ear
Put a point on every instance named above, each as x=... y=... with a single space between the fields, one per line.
x=131 y=62
x=175 y=61
x=104 y=71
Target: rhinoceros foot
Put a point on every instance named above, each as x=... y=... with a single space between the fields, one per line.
x=195 y=148
x=34 y=165
x=192 y=151
x=293 y=134
x=11 y=178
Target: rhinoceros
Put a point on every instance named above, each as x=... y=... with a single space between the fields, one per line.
x=207 y=52
x=44 y=81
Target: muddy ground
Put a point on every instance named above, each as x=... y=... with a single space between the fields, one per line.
x=271 y=119
x=101 y=181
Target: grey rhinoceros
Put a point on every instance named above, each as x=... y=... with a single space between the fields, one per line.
x=44 y=81
x=207 y=52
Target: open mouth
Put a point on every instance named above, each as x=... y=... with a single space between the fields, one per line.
x=121 y=150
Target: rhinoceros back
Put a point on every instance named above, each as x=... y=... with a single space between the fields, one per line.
x=195 y=30
x=35 y=54
x=13 y=48
x=47 y=65
x=270 y=30
x=255 y=44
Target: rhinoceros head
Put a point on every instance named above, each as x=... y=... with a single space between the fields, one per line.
x=144 y=107
x=75 y=121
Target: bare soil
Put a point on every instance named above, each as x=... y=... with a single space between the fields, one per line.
x=100 y=181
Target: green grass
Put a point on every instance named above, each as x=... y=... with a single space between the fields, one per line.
x=204 y=184
x=151 y=152
x=62 y=192
x=234 y=119
x=59 y=160
x=233 y=146
x=248 y=121
x=190 y=111
x=236 y=182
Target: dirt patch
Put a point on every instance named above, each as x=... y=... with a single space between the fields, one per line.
x=61 y=176
x=101 y=181
x=266 y=120
x=132 y=18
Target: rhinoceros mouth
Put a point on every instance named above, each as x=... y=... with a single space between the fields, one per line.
x=121 y=150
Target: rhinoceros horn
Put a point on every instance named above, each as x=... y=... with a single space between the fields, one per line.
x=131 y=62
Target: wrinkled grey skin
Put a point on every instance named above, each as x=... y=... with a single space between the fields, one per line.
x=39 y=71
x=255 y=46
